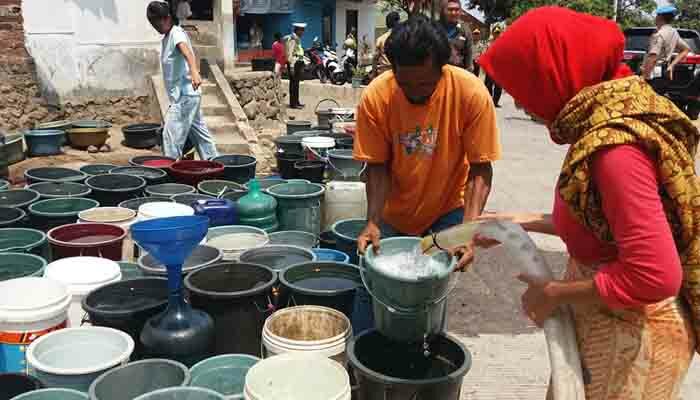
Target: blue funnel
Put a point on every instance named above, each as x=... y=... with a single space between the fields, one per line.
x=170 y=240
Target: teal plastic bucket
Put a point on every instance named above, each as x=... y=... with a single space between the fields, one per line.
x=130 y=270
x=294 y=238
x=298 y=206
x=4 y=185
x=24 y=240
x=343 y=166
x=53 y=394
x=20 y=265
x=346 y=233
x=224 y=374
x=184 y=393
x=407 y=309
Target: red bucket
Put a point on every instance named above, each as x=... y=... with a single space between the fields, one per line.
x=88 y=239
x=195 y=171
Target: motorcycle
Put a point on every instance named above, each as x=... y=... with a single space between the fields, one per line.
x=315 y=67
x=331 y=64
x=346 y=68
x=684 y=89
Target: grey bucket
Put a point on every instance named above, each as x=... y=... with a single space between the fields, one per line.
x=277 y=257
x=298 y=206
x=183 y=393
x=295 y=126
x=289 y=144
x=169 y=189
x=134 y=204
x=24 y=240
x=138 y=378
x=294 y=238
x=11 y=217
x=18 y=198
x=200 y=257
x=346 y=233
x=19 y=265
x=343 y=166
x=97 y=169
x=53 y=174
x=53 y=394
x=224 y=374
x=189 y=198
x=52 y=190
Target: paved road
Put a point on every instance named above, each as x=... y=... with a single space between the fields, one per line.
x=510 y=358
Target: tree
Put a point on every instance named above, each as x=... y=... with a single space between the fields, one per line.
x=689 y=14
x=410 y=7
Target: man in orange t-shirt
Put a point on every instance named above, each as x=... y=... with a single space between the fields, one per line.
x=428 y=133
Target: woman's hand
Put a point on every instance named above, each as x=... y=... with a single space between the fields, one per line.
x=370 y=235
x=539 y=303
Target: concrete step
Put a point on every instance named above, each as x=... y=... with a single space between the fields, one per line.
x=215 y=110
x=209 y=88
x=218 y=120
x=229 y=141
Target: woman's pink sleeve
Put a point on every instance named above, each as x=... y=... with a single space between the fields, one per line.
x=647 y=269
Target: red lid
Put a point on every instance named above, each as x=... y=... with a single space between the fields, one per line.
x=158 y=163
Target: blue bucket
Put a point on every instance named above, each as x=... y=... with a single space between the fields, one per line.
x=44 y=142
x=331 y=255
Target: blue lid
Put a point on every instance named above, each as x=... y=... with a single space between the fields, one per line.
x=668 y=9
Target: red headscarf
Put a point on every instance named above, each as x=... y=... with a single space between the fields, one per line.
x=550 y=54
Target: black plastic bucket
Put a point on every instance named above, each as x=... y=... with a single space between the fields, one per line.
x=346 y=233
x=18 y=198
x=112 y=189
x=389 y=370
x=318 y=283
x=153 y=176
x=189 y=198
x=312 y=171
x=53 y=190
x=12 y=385
x=134 y=204
x=53 y=174
x=97 y=169
x=169 y=189
x=127 y=305
x=138 y=378
x=285 y=164
x=11 y=217
x=238 y=296
x=327 y=240
x=239 y=168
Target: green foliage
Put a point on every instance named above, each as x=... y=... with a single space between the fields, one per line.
x=690 y=14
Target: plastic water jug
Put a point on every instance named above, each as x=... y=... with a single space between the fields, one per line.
x=220 y=211
x=258 y=209
x=344 y=200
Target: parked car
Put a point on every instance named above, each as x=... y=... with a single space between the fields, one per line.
x=684 y=90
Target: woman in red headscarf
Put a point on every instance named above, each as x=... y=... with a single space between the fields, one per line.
x=627 y=202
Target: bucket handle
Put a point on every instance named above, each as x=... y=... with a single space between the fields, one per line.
x=362 y=171
x=99 y=252
x=270 y=306
x=222 y=192
x=85 y=319
x=324 y=100
x=320 y=157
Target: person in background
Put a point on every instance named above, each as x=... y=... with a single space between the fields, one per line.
x=182 y=80
x=662 y=45
x=477 y=50
x=184 y=11
x=458 y=34
x=380 y=62
x=625 y=203
x=428 y=133
x=279 y=54
x=295 y=63
x=494 y=89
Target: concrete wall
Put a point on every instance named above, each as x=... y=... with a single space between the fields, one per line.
x=366 y=21
x=90 y=48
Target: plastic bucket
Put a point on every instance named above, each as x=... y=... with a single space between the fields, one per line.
x=286 y=162
x=239 y=168
x=326 y=240
x=130 y=270
x=24 y=240
x=312 y=330
x=52 y=190
x=20 y=265
x=297 y=377
x=313 y=171
x=169 y=189
x=331 y=255
x=233 y=240
x=289 y=144
x=137 y=378
x=342 y=140
x=238 y=296
x=87 y=239
x=82 y=275
x=134 y=204
x=152 y=176
x=277 y=257
x=29 y=308
x=127 y=305
x=11 y=217
x=53 y=174
x=73 y=358
x=53 y=394
x=182 y=393
x=4 y=185
x=190 y=198
x=294 y=238
x=322 y=283
x=123 y=217
x=200 y=257
x=309 y=133
x=12 y=385
x=387 y=370
x=298 y=206
x=18 y=198
x=50 y=213
x=317 y=147
x=195 y=171
x=346 y=233
x=44 y=142
x=112 y=189
x=224 y=374
x=218 y=188
x=343 y=166
x=160 y=209
x=152 y=161
x=297 y=126
x=97 y=169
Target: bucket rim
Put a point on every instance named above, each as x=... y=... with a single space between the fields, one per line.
x=41 y=260
x=43 y=132
x=150 y=189
x=319 y=192
x=145 y=200
x=123 y=357
x=309 y=235
x=232 y=295
x=85 y=189
x=20 y=211
x=322 y=343
x=61 y=243
x=342 y=154
x=162 y=270
x=247 y=164
x=381 y=378
x=186 y=372
x=77 y=284
x=369 y=253
x=318 y=142
x=221 y=357
x=28 y=395
x=32 y=207
x=321 y=250
x=42 y=238
x=140 y=186
x=187 y=390
x=317 y=292
x=273 y=247
x=77 y=177
x=334 y=228
x=131 y=214
x=121 y=313
x=161 y=173
x=37 y=195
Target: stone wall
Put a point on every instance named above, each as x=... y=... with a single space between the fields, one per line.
x=260 y=96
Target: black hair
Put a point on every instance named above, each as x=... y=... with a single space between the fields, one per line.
x=668 y=17
x=413 y=41
x=392 y=19
x=278 y=36
x=158 y=9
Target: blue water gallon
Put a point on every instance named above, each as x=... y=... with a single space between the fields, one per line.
x=220 y=211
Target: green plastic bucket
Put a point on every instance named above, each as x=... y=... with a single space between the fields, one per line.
x=298 y=206
x=223 y=374
x=23 y=240
x=407 y=309
x=53 y=394
x=20 y=265
x=130 y=270
x=18 y=198
x=50 y=213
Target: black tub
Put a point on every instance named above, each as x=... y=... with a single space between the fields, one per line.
x=11 y=217
x=53 y=190
x=141 y=136
x=112 y=189
x=97 y=169
x=53 y=174
x=12 y=385
x=134 y=204
x=18 y=198
x=153 y=176
x=239 y=168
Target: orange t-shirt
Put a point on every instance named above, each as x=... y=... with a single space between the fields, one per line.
x=428 y=147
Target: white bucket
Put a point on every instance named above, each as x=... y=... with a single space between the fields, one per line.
x=234 y=240
x=162 y=209
x=297 y=377
x=120 y=216
x=314 y=330
x=29 y=308
x=74 y=357
x=318 y=146
x=82 y=275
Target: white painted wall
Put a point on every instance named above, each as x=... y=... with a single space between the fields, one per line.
x=366 y=21
x=91 y=48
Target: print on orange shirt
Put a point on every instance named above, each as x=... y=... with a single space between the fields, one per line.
x=422 y=142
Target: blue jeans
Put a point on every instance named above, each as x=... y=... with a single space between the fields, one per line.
x=452 y=218
x=184 y=119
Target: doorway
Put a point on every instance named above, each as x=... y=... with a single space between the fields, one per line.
x=351 y=17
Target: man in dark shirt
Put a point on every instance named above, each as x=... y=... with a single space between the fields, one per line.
x=459 y=34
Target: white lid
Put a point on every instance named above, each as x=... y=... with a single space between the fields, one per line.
x=318 y=142
x=162 y=209
x=297 y=376
x=32 y=299
x=83 y=274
